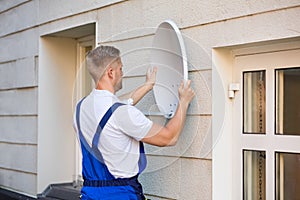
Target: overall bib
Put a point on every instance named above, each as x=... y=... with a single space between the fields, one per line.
x=99 y=183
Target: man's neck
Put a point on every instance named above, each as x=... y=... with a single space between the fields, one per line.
x=105 y=86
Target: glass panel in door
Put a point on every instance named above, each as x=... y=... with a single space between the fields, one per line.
x=254 y=102
x=287 y=176
x=254 y=171
x=287 y=101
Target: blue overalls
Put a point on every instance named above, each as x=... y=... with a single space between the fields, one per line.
x=99 y=183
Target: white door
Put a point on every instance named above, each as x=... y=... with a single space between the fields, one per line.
x=266 y=124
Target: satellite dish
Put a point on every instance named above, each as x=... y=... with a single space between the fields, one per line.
x=169 y=55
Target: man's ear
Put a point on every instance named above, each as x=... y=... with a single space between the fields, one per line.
x=110 y=72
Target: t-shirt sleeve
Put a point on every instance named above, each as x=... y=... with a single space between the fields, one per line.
x=132 y=122
x=128 y=101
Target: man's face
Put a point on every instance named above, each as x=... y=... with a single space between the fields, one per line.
x=117 y=65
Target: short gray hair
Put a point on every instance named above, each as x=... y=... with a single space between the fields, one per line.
x=99 y=58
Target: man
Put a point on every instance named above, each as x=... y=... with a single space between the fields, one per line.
x=112 y=133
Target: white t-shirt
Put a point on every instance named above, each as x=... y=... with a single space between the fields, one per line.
x=119 y=140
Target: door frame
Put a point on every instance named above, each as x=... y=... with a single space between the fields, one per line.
x=225 y=147
x=80 y=92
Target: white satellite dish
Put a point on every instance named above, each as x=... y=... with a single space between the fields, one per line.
x=169 y=55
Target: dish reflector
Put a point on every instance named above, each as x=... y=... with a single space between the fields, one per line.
x=169 y=55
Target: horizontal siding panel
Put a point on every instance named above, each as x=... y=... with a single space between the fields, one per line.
x=68 y=23
x=19 y=18
x=19 y=157
x=162 y=177
x=215 y=10
x=198 y=58
x=7 y=4
x=196 y=138
x=19 y=129
x=196 y=179
x=201 y=83
x=18 y=74
x=51 y=9
x=7 y=69
x=54 y=9
x=20 y=45
x=177 y=178
x=150 y=13
x=18 y=181
x=19 y=102
x=143 y=18
x=264 y=27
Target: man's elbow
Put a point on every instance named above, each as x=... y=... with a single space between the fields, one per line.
x=173 y=142
x=162 y=138
x=168 y=142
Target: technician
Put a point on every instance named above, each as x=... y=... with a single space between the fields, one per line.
x=112 y=132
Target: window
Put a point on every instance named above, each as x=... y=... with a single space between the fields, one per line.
x=254 y=102
x=254 y=175
x=287 y=175
x=287 y=101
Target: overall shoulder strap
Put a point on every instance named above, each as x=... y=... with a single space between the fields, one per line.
x=78 y=117
x=103 y=122
x=142 y=160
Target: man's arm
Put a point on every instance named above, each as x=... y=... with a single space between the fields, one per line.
x=137 y=94
x=168 y=135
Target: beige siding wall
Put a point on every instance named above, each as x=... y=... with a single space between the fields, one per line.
x=18 y=96
x=180 y=172
x=21 y=23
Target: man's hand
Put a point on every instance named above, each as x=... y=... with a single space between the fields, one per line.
x=151 y=76
x=185 y=92
x=137 y=94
